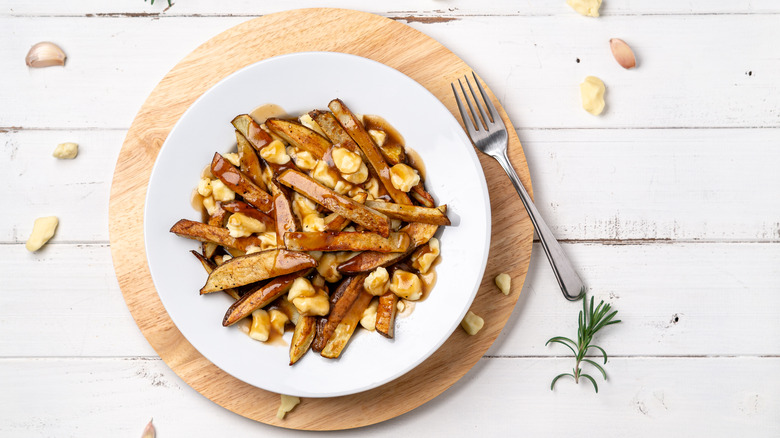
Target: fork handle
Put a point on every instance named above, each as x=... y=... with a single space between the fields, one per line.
x=571 y=285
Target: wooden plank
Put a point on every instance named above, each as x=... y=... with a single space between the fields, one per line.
x=590 y=184
x=539 y=83
x=415 y=8
x=718 y=397
x=710 y=289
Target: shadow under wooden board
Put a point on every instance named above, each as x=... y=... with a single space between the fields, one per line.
x=336 y=30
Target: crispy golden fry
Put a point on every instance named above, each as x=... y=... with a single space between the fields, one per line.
x=341 y=301
x=393 y=147
x=337 y=135
x=211 y=234
x=346 y=241
x=251 y=131
x=347 y=326
x=336 y=222
x=250 y=162
x=302 y=337
x=334 y=202
x=209 y=266
x=372 y=153
x=385 y=314
x=285 y=218
x=418 y=192
x=259 y=297
x=322 y=321
x=299 y=136
x=248 y=210
x=217 y=219
x=252 y=268
x=370 y=260
x=240 y=183
x=410 y=213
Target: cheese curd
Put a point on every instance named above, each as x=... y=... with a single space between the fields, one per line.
x=592 y=92
x=287 y=405
x=241 y=225
x=221 y=192
x=372 y=186
x=66 y=151
x=404 y=177
x=504 y=283
x=327 y=267
x=589 y=8
x=315 y=305
x=378 y=136
x=345 y=160
x=275 y=153
x=278 y=320
x=268 y=240
x=303 y=159
x=232 y=158
x=303 y=206
x=43 y=230
x=301 y=288
x=308 y=122
x=313 y=222
x=377 y=282
x=342 y=187
x=368 y=320
x=406 y=285
x=423 y=260
x=358 y=177
x=324 y=174
x=261 y=325
x=472 y=323
x=204 y=187
x=210 y=205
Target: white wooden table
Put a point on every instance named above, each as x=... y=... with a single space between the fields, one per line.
x=669 y=204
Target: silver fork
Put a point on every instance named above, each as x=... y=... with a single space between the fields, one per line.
x=491 y=138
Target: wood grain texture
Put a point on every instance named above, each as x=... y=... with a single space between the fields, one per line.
x=416 y=55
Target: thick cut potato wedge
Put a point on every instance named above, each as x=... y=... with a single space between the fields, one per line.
x=410 y=213
x=302 y=337
x=240 y=183
x=247 y=210
x=259 y=297
x=347 y=326
x=370 y=260
x=334 y=202
x=372 y=153
x=251 y=131
x=299 y=136
x=211 y=234
x=335 y=222
x=337 y=135
x=385 y=314
x=285 y=218
x=341 y=301
x=346 y=241
x=209 y=266
x=216 y=220
x=250 y=162
x=252 y=268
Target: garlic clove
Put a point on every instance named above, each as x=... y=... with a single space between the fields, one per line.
x=149 y=431
x=45 y=54
x=622 y=53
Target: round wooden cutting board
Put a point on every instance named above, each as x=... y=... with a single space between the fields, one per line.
x=336 y=30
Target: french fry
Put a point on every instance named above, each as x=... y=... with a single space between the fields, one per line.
x=337 y=135
x=335 y=222
x=250 y=163
x=251 y=131
x=418 y=193
x=385 y=314
x=346 y=241
x=211 y=234
x=217 y=219
x=334 y=202
x=240 y=183
x=247 y=210
x=343 y=332
x=373 y=155
x=411 y=213
x=209 y=266
x=341 y=301
x=259 y=297
x=255 y=267
x=299 y=136
x=285 y=218
x=370 y=260
x=302 y=337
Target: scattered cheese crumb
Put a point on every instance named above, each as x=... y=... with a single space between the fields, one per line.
x=504 y=283
x=588 y=8
x=43 y=230
x=472 y=323
x=592 y=92
x=287 y=405
x=66 y=151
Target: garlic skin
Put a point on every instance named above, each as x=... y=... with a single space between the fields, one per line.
x=622 y=53
x=45 y=54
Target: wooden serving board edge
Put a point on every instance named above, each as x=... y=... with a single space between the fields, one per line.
x=384 y=40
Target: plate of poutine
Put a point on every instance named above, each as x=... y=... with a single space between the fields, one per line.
x=366 y=220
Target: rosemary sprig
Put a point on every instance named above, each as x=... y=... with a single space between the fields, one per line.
x=590 y=321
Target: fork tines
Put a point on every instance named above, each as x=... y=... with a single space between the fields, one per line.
x=473 y=123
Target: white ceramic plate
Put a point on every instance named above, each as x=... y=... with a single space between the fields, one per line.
x=299 y=83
